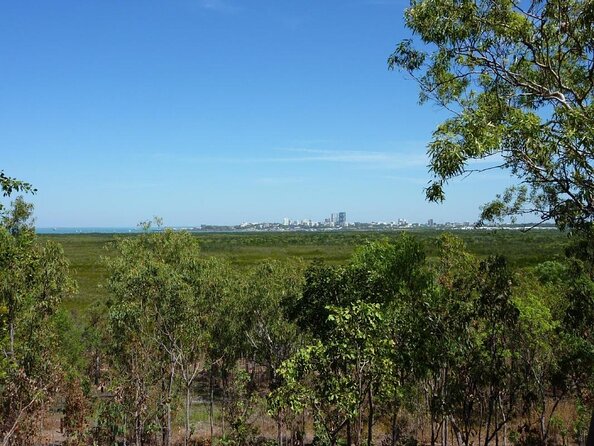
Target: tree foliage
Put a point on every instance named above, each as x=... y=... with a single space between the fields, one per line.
x=156 y=325
x=518 y=79
x=9 y=185
x=34 y=278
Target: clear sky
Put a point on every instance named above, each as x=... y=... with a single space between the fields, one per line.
x=218 y=112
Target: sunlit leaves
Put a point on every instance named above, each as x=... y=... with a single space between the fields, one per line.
x=518 y=81
x=34 y=279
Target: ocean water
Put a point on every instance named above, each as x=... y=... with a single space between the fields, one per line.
x=106 y=230
x=89 y=230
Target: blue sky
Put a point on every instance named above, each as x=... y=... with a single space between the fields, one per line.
x=217 y=111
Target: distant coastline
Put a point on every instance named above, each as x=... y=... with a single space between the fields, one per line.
x=88 y=230
x=280 y=228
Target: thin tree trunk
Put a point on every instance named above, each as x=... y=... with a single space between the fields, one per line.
x=137 y=415
x=370 y=417
x=359 y=431
x=9 y=434
x=543 y=426
x=302 y=427
x=504 y=417
x=590 y=439
x=333 y=439
x=467 y=423
x=497 y=427
x=359 y=428
x=172 y=366
x=168 y=437
x=224 y=400
x=163 y=406
x=457 y=433
x=41 y=418
x=210 y=405
x=489 y=417
x=11 y=338
x=187 y=435
x=349 y=434
x=125 y=423
x=97 y=369
x=137 y=430
x=166 y=417
x=393 y=438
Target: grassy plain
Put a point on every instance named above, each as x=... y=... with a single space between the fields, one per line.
x=86 y=251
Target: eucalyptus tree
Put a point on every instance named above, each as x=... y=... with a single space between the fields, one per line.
x=211 y=282
x=268 y=288
x=154 y=323
x=331 y=377
x=9 y=185
x=540 y=297
x=324 y=285
x=34 y=278
x=518 y=80
x=387 y=271
x=496 y=346
x=326 y=289
x=363 y=321
x=395 y=276
x=18 y=243
x=227 y=327
x=577 y=364
x=131 y=353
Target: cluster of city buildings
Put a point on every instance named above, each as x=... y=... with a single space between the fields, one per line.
x=338 y=222
x=335 y=220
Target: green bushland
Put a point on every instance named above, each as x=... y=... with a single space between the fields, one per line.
x=172 y=337
x=85 y=251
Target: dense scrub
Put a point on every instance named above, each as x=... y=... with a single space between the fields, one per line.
x=409 y=339
x=85 y=251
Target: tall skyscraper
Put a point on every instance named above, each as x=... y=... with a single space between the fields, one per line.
x=342 y=219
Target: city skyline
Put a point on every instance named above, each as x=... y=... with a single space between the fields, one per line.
x=315 y=223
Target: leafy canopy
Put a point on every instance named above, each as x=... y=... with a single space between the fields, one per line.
x=518 y=78
x=8 y=185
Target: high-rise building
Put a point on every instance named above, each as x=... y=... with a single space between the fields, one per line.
x=286 y=221
x=342 y=221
